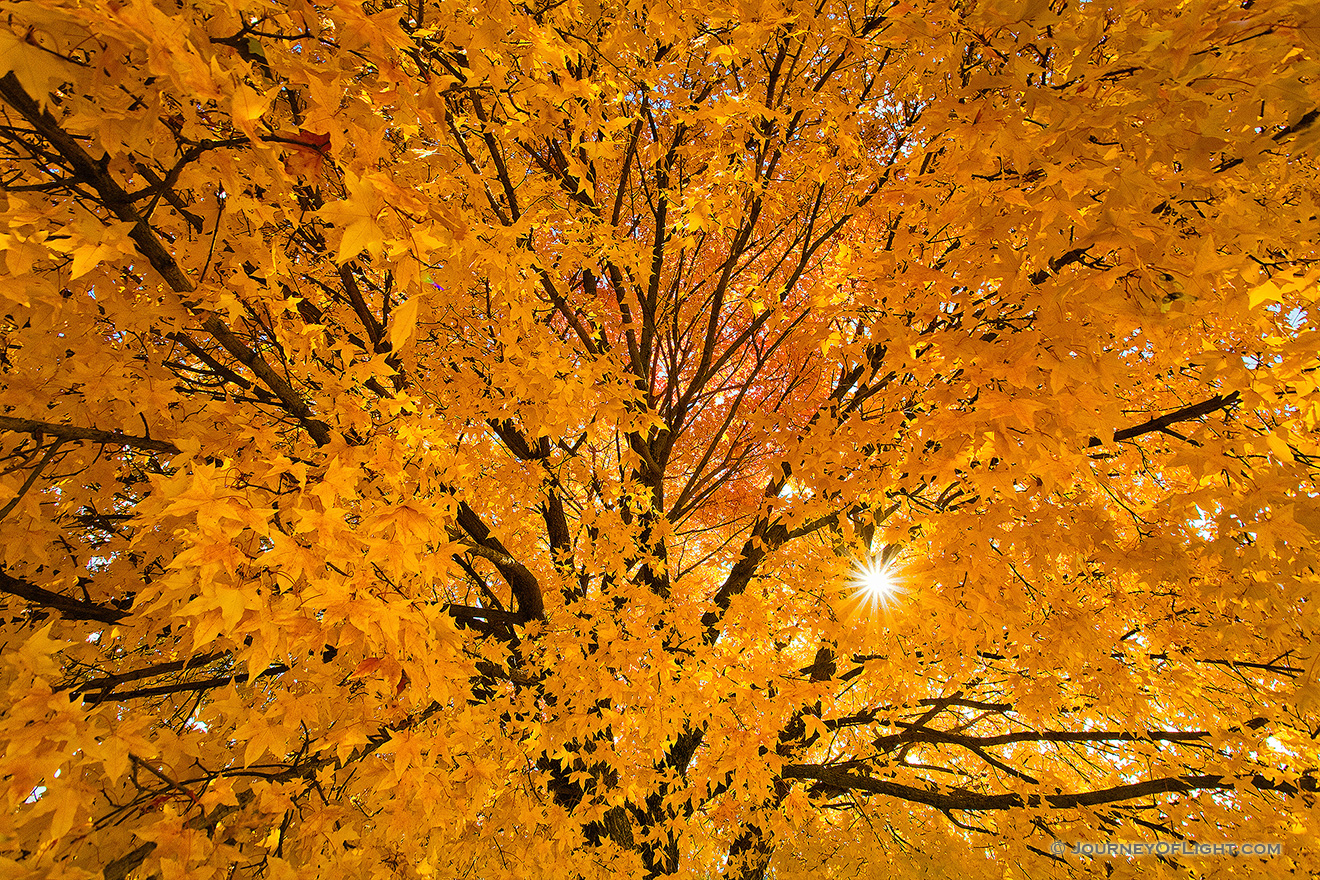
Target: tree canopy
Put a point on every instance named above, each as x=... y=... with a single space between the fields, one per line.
x=832 y=439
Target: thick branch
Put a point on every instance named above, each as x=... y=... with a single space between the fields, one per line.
x=1195 y=411
x=970 y=801
x=66 y=606
x=93 y=435
x=526 y=589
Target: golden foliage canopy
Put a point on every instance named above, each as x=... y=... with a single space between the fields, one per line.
x=437 y=439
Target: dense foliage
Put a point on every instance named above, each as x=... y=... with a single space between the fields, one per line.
x=442 y=440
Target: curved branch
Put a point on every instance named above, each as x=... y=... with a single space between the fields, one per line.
x=526 y=589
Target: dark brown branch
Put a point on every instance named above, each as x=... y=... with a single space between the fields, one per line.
x=1040 y=276
x=125 y=865
x=914 y=733
x=66 y=606
x=183 y=687
x=1161 y=423
x=524 y=585
x=93 y=435
x=165 y=188
x=31 y=479
x=110 y=682
x=488 y=620
x=837 y=779
x=120 y=203
x=1308 y=119
x=969 y=704
x=375 y=332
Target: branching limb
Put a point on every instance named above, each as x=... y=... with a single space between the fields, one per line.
x=837 y=779
x=1162 y=423
x=93 y=435
x=66 y=606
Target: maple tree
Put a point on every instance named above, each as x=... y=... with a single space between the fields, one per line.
x=444 y=440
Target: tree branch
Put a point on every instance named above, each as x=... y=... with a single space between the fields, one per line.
x=1196 y=410
x=526 y=589
x=93 y=435
x=183 y=687
x=970 y=801
x=115 y=199
x=66 y=606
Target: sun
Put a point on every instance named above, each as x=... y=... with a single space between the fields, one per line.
x=876 y=582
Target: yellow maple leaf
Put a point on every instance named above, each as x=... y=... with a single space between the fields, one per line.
x=36 y=68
